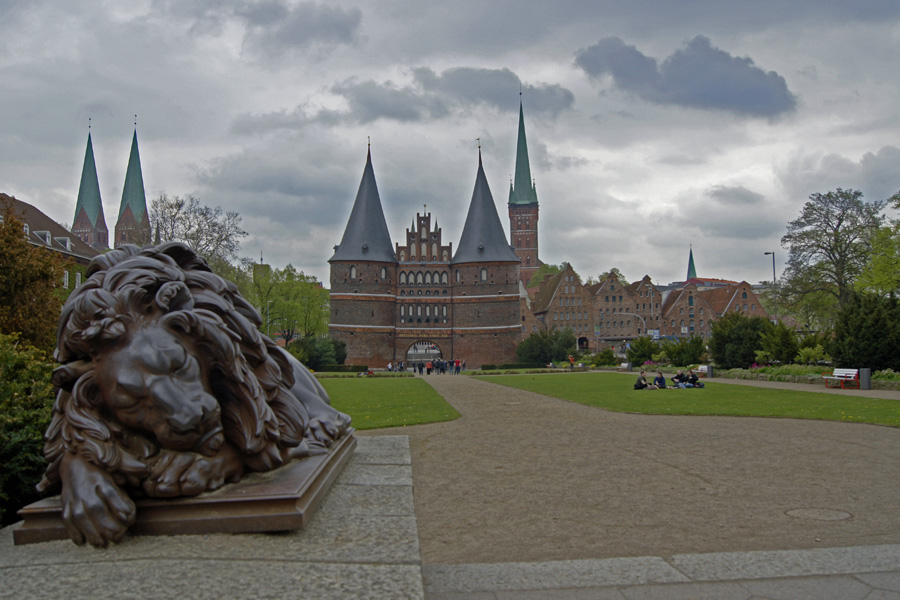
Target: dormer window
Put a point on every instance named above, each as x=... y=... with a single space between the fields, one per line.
x=365 y=248
x=44 y=236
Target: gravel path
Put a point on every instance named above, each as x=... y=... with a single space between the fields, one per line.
x=526 y=477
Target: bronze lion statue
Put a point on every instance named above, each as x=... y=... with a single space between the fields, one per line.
x=167 y=388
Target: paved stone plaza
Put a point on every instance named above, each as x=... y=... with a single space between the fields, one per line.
x=529 y=497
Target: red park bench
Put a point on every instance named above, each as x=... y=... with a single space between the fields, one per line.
x=842 y=378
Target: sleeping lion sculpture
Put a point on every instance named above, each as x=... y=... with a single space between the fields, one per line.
x=167 y=388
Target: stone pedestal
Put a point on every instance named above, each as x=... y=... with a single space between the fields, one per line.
x=279 y=500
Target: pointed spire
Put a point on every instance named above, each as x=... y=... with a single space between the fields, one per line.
x=483 y=239
x=133 y=191
x=691 y=272
x=366 y=236
x=89 y=190
x=523 y=191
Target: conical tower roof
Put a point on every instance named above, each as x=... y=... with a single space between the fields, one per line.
x=523 y=192
x=692 y=272
x=133 y=190
x=89 y=190
x=482 y=239
x=366 y=237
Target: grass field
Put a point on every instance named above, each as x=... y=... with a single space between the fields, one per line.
x=614 y=391
x=376 y=402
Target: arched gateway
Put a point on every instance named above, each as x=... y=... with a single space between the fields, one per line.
x=423 y=350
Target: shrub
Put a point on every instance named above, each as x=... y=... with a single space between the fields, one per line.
x=684 y=351
x=343 y=368
x=642 y=349
x=735 y=340
x=780 y=343
x=604 y=358
x=26 y=400
x=811 y=356
x=867 y=333
x=546 y=346
x=316 y=352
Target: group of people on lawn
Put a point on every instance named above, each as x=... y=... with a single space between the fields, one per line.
x=679 y=380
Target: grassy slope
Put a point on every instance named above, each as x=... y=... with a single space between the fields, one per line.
x=388 y=402
x=612 y=391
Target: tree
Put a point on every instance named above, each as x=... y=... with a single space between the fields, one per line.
x=542 y=271
x=684 y=351
x=641 y=350
x=735 y=340
x=829 y=244
x=615 y=272
x=212 y=234
x=867 y=333
x=31 y=294
x=546 y=346
x=26 y=399
x=300 y=304
x=881 y=275
x=780 y=343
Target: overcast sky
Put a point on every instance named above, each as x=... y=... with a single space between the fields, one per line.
x=652 y=125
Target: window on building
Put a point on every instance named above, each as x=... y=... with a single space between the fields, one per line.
x=744 y=296
x=484 y=274
x=690 y=300
x=353 y=272
x=752 y=307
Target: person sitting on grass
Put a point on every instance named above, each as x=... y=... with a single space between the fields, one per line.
x=641 y=383
x=693 y=380
x=680 y=379
x=660 y=381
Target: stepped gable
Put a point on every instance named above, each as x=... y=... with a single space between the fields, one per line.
x=133 y=195
x=483 y=239
x=366 y=236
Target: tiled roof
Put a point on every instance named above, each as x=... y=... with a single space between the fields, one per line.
x=45 y=232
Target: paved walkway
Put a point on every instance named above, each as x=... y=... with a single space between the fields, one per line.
x=526 y=492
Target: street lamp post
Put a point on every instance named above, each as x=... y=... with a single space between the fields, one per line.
x=774 y=300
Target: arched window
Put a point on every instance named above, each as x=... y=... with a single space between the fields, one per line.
x=445 y=278
x=457 y=276
x=424 y=251
x=427 y=278
x=436 y=277
x=402 y=311
x=402 y=278
x=383 y=273
x=403 y=255
x=419 y=310
x=483 y=274
x=419 y=278
x=690 y=300
x=434 y=251
x=427 y=311
x=444 y=310
x=353 y=272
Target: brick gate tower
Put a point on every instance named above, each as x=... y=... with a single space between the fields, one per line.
x=523 y=209
x=363 y=280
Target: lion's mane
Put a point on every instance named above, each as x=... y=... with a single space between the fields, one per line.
x=170 y=285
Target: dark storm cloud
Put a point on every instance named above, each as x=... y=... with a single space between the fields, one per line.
x=369 y=101
x=492 y=86
x=274 y=27
x=698 y=76
x=875 y=174
x=430 y=96
x=734 y=196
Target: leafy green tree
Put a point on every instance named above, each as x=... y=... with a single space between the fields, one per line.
x=735 y=340
x=780 y=343
x=881 y=275
x=26 y=399
x=542 y=271
x=616 y=272
x=31 y=293
x=547 y=346
x=829 y=244
x=605 y=357
x=300 y=304
x=685 y=351
x=641 y=350
x=867 y=334
x=316 y=352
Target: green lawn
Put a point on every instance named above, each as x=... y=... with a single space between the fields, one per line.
x=376 y=402
x=614 y=391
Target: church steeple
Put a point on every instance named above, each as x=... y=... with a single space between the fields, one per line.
x=483 y=239
x=691 y=272
x=89 y=224
x=366 y=237
x=133 y=226
x=523 y=208
x=522 y=191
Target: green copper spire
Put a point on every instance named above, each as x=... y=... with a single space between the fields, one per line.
x=89 y=189
x=692 y=272
x=523 y=192
x=133 y=190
